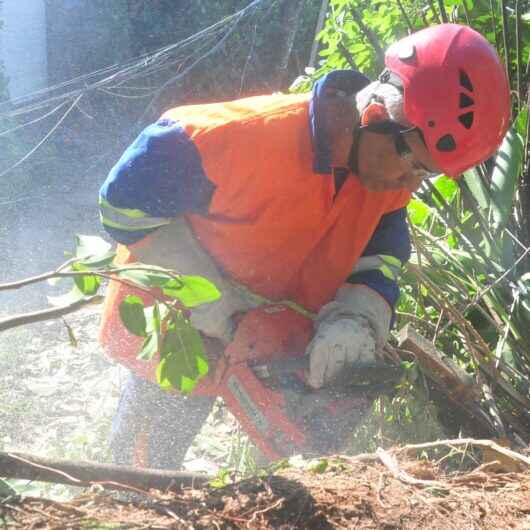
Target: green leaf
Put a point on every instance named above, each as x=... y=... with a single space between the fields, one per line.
x=154 y=277
x=182 y=358
x=6 y=490
x=521 y=122
x=72 y=296
x=418 y=212
x=54 y=282
x=504 y=179
x=222 y=479
x=319 y=466
x=149 y=347
x=88 y=284
x=477 y=188
x=132 y=315
x=98 y=262
x=154 y=316
x=88 y=246
x=192 y=291
x=447 y=188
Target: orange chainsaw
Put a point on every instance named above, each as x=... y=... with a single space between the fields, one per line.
x=261 y=377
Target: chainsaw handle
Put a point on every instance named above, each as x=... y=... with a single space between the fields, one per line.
x=370 y=373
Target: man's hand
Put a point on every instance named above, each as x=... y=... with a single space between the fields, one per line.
x=215 y=319
x=349 y=332
x=338 y=348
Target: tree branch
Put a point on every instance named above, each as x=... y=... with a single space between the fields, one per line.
x=48 y=314
x=370 y=35
x=489 y=444
x=84 y=474
x=290 y=12
x=347 y=55
x=318 y=29
x=410 y=26
x=443 y=12
x=56 y=312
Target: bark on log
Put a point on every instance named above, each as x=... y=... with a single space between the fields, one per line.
x=449 y=378
x=84 y=474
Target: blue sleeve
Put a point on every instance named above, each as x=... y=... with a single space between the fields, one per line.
x=390 y=239
x=159 y=177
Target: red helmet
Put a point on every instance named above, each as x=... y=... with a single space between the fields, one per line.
x=455 y=91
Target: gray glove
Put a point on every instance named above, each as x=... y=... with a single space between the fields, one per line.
x=175 y=247
x=349 y=333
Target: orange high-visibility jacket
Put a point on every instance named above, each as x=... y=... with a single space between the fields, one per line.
x=250 y=178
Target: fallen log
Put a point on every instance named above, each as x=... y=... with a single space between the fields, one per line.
x=459 y=387
x=85 y=474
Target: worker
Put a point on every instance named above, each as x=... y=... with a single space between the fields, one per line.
x=294 y=196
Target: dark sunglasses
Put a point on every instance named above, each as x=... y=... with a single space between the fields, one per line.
x=397 y=131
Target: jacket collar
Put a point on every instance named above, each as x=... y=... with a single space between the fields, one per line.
x=349 y=81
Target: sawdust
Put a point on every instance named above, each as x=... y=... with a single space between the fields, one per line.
x=361 y=493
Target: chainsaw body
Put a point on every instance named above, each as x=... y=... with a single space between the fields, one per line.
x=261 y=377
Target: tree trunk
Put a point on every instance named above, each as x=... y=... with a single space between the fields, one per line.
x=290 y=11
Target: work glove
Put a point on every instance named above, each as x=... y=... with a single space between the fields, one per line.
x=350 y=332
x=175 y=247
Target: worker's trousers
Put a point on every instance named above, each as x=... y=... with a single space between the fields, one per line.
x=153 y=428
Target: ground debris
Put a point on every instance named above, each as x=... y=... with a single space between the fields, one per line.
x=387 y=490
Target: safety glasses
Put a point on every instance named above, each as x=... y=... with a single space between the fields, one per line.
x=398 y=132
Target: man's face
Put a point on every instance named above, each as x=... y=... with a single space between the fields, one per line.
x=390 y=162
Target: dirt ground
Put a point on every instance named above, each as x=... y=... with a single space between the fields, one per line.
x=360 y=492
x=58 y=397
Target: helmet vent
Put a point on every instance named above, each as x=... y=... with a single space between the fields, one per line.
x=466 y=119
x=465 y=81
x=446 y=144
x=465 y=101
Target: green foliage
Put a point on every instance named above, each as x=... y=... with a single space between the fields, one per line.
x=357 y=31
x=409 y=416
x=164 y=326
x=132 y=315
x=182 y=359
x=469 y=270
x=6 y=490
x=467 y=287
